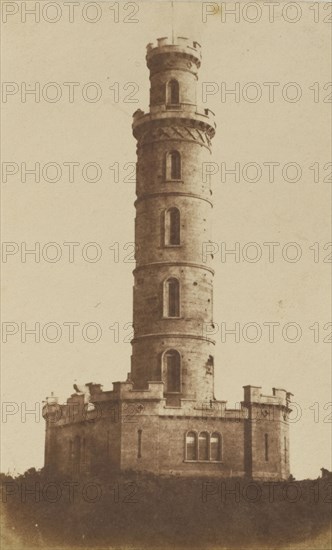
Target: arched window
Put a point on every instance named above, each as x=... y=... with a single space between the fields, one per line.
x=172 y=226
x=172 y=298
x=215 y=447
x=173 y=92
x=173 y=165
x=172 y=369
x=191 y=446
x=203 y=446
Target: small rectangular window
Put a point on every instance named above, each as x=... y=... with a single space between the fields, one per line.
x=266 y=439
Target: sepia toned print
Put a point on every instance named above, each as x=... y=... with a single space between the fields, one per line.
x=170 y=388
x=161 y=459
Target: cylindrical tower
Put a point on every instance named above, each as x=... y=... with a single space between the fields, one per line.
x=173 y=295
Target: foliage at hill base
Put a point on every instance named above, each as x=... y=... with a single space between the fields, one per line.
x=131 y=510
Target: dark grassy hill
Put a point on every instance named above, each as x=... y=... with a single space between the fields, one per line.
x=145 y=511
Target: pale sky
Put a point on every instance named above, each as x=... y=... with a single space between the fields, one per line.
x=112 y=54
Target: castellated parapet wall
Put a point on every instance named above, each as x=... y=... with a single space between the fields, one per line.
x=180 y=43
x=161 y=56
x=125 y=391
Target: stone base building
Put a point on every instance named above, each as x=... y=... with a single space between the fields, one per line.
x=165 y=418
x=132 y=429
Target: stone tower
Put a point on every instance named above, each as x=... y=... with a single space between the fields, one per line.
x=173 y=288
x=169 y=394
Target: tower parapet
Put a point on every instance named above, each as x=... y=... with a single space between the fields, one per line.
x=182 y=49
x=252 y=394
x=173 y=91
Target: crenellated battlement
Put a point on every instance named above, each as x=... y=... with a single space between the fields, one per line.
x=103 y=403
x=178 y=43
x=181 y=41
x=253 y=395
x=181 y=49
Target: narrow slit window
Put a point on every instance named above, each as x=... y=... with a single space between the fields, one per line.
x=266 y=444
x=172 y=226
x=83 y=451
x=172 y=298
x=77 y=454
x=77 y=449
x=139 y=443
